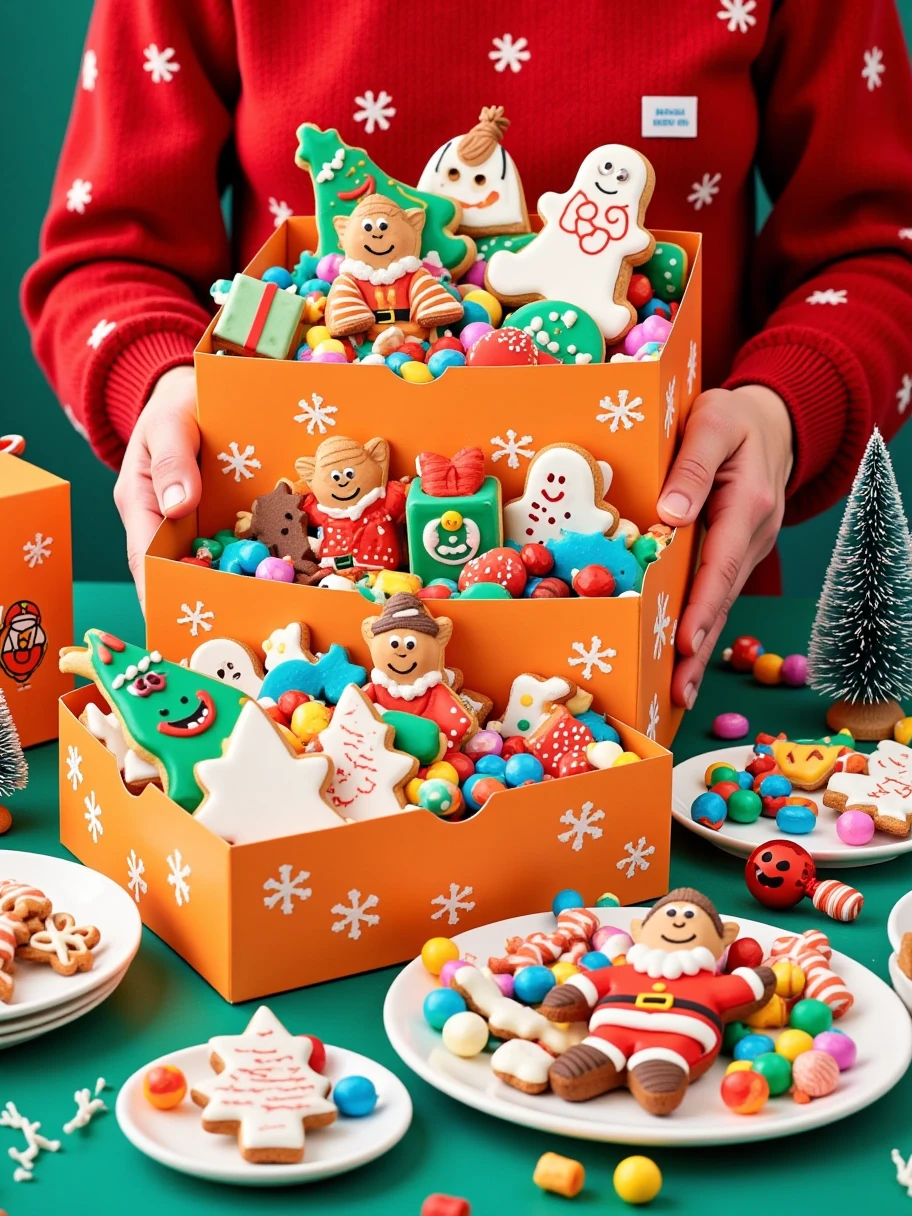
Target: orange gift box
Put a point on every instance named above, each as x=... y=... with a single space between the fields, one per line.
x=36 y=595
x=260 y=918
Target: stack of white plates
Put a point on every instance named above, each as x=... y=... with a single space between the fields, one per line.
x=42 y=1000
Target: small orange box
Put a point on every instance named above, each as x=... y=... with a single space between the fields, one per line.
x=36 y=595
x=261 y=918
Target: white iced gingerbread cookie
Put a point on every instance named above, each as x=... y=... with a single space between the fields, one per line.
x=884 y=792
x=260 y=789
x=593 y=236
x=231 y=662
x=531 y=699
x=563 y=493
x=288 y=643
x=523 y=1065
x=265 y=1092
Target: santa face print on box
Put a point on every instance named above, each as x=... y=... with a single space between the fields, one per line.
x=563 y=493
x=592 y=238
x=23 y=642
x=476 y=171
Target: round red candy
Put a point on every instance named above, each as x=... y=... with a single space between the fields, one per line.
x=537 y=559
x=415 y=349
x=573 y=763
x=461 y=763
x=318 y=1055
x=725 y=789
x=486 y=788
x=770 y=807
x=437 y=592
x=551 y=589
x=501 y=566
x=743 y=952
x=507 y=347
x=744 y=653
x=288 y=702
x=448 y=342
x=277 y=716
x=512 y=746
x=639 y=290
x=761 y=766
x=593 y=581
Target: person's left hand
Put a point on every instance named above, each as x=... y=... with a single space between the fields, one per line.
x=736 y=458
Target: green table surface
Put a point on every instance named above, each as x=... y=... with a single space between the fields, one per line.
x=164 y=1005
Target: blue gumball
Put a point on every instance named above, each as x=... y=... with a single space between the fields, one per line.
x=396 y=360
x=355 y=1096
x=601 y=731
x=709 y=809
x=532 y=984
x=278 y=275
x=762 y=749
x=753 y=1045
x=310 y=285
x=746 y=781
x=467 y=787
x=775 y=786
x=653 y=307
x=564 y=900
x=523 y=767
x=595 y=960
x=441 y=1004
x=491 y=766
x=796 y=820
x=471 y=311
x=451 y=586
x=243 y=556
x=440 y=360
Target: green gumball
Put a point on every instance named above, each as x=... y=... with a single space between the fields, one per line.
x=744 y=806
x=776 y=1069
x=733 y=1034
x=812 y=1016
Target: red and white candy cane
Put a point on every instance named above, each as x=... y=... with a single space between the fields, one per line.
x=11 y=445
x=836 y=899
x=8 y=942
x=574 y=928
x=811 y=952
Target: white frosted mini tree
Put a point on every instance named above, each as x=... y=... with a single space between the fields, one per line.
x=861 y=644
x=13 y=768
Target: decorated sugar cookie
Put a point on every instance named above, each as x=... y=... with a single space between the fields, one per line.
x=808 y=763
x=593 y=236
x=567 y=333
x=231 y=662
x=531 y=700
x=343 y=176
x=172 y=716
x=884 y=792
x=453 y=513
x=563 y=493
x=260 y=789
x=324 y=678
x=106 y=728
x=370 y=776
x=477 y=172
x=266 y=1094
x=279 y=521
x=290 y=642
x=666 y=270
x=407 y=647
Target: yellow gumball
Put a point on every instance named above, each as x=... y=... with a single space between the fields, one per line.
x=413 y=789
x=416 y=373
x=327 y=345
x=317 y=334
x=792 y=1043
x=437 y=951
x=309 y=719
x=489 y=303
x=790 y=979
x=563 y=971
x=444 y=771
x=626 y=758
x=637 y=1179
x=902 y=731
x=738 y=1066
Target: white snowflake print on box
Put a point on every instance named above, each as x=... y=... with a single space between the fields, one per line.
x=177 y=879
x=317 y=415
x=670 y=405
x=660 y=625
x=35 y=551
x=512 y=448
x=92 y=816
x=582 y=826
x=160 y=65
x=451 y=905
x=704 y=191
x=637 y=857
x=374 y=111
x=79 y=196
x=197 y=618
x=691 y=366
x=510 y=53
x=623 y=413
x=904 y=393
x=738 y=15
x=284 y=890
x=874 y=68
x=594 y=656
x=103 y=329
x=828 y=296
x=74 y=767
x=239 y=463
x=355 y=914
x=136 y=884
x=654 y=718
x=279 y=210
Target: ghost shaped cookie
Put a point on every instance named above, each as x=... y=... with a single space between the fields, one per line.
x=563 y=493
x=231 y=662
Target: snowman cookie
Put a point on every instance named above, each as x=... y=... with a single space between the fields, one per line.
x=564 y=492
x=567 y=333
x=592 y=238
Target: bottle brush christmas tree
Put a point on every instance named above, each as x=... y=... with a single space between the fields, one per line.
x=861 y=643
x=13 y=768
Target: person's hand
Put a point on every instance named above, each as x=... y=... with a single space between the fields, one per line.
x=159 y=475
x=736 y=458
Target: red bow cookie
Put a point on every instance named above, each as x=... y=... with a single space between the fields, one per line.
x=461 y=476
x=579 y=217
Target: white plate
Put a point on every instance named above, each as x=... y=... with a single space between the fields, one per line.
x=48 y=1016
x=92 y=899
x=901 y=982
x=741 y=839
x=41 y=1026
x=877 y=1022
x=176 y=1138
x=900 y=920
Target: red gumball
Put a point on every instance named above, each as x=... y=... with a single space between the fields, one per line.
x=572 y=763
x=551 y=589
x=318 y=1055
x=414 y=348
x=744 y=952
x=486 y=788
x=277 y=716
x=743 y=653
x=500 y=566
x=639 y=290
x=761 y=766
x=437 y=592
x=537 y=559
x=203 y=558
x=770 y=807
x=593 y=581
x=725 y=789
x=288 y=702
x=778 y=872
x=512 y=746
x=507 y=347
x=462 y=763
x=447 y=342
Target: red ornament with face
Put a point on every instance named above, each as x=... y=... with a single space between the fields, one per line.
x=778 y=873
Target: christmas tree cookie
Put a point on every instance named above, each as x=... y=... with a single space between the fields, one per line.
x=343 y=175
x=171 y=716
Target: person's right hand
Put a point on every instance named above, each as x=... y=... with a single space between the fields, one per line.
x=159 y=475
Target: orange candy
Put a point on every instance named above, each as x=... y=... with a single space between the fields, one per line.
x=164 y=1086
x=768 y=668
x=745 y=1092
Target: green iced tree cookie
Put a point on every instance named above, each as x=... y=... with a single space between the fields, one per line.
x=666 y=270
x=343 y=175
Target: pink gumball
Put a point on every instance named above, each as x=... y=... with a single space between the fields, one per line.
x=611 y=941
x=653 y=329
x=276 y=570
x=794 y=670
x=484 y=743
x=504 y=983
x=448 y=970
x=476 y=273
x=472 y=332
x=854 y=827
x=305 y=354
x=328 y=267
x=329 y=356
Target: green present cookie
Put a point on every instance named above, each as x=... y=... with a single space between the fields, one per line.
x=259 y=319
x=446 y=532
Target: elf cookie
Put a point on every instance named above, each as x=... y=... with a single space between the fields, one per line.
x=66 y=947
x=230 y=662
x=351 y=499
x=808 y=764
x=532 y=698
x=884 y=792
x=563 y=493
x=172 y=716
x=266 y=1094
x=343 y=175
x=477 y=172
x=381 y=281
x=260 y=789
x=592 y=238
x=407 y=647
x=369 y=776
x=279 y=521
x=566 y=332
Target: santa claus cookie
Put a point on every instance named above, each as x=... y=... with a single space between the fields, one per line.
x=884 y=792
x=563 y=493
x=592 y=238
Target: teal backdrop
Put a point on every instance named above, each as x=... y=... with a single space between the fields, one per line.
x=37 y=86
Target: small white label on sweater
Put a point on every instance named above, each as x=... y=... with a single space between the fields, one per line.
x=671 y=117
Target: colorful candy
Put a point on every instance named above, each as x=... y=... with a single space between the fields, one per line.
x=560 y=1175
x=730 y=726
x=465 y=1034
x=854 y=828
x=776 y=1069
x=532 y=984
x=355 y=1096
x=792 y=1043
x=437 y=951
x=440 y=1005
x=744 y=1091
x=780 y=873
x=812 y=1016
x=838 y=1045
x=750 y=1046
x=815 y=1073
x=568 y=898
x=164 y=1086
x=637 y=1180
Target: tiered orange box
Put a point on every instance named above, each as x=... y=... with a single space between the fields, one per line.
x=260 y=918
x=36 y=595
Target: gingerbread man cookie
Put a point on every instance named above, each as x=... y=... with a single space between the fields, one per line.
x=563 y=493
x=61 y=943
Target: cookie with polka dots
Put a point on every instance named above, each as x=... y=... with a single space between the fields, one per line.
x=567 y=333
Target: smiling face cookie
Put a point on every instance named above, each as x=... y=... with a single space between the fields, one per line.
x=231 y=662
x=379 y=233
x=563 y=493
x=344 y=475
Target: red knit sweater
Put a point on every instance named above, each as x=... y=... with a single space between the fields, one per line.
x=177 y=98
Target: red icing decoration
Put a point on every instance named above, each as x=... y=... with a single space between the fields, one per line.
x=572 y=763
x=507 y=347
x=110 y=640
x=105 y=655
x=176 y=730
x=258 y=324
x=460 y=476
x=560 y=735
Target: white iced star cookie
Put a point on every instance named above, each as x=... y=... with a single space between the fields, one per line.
x=370 y=775
x=563 y=493
x=288 y=643
x=231 y=662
